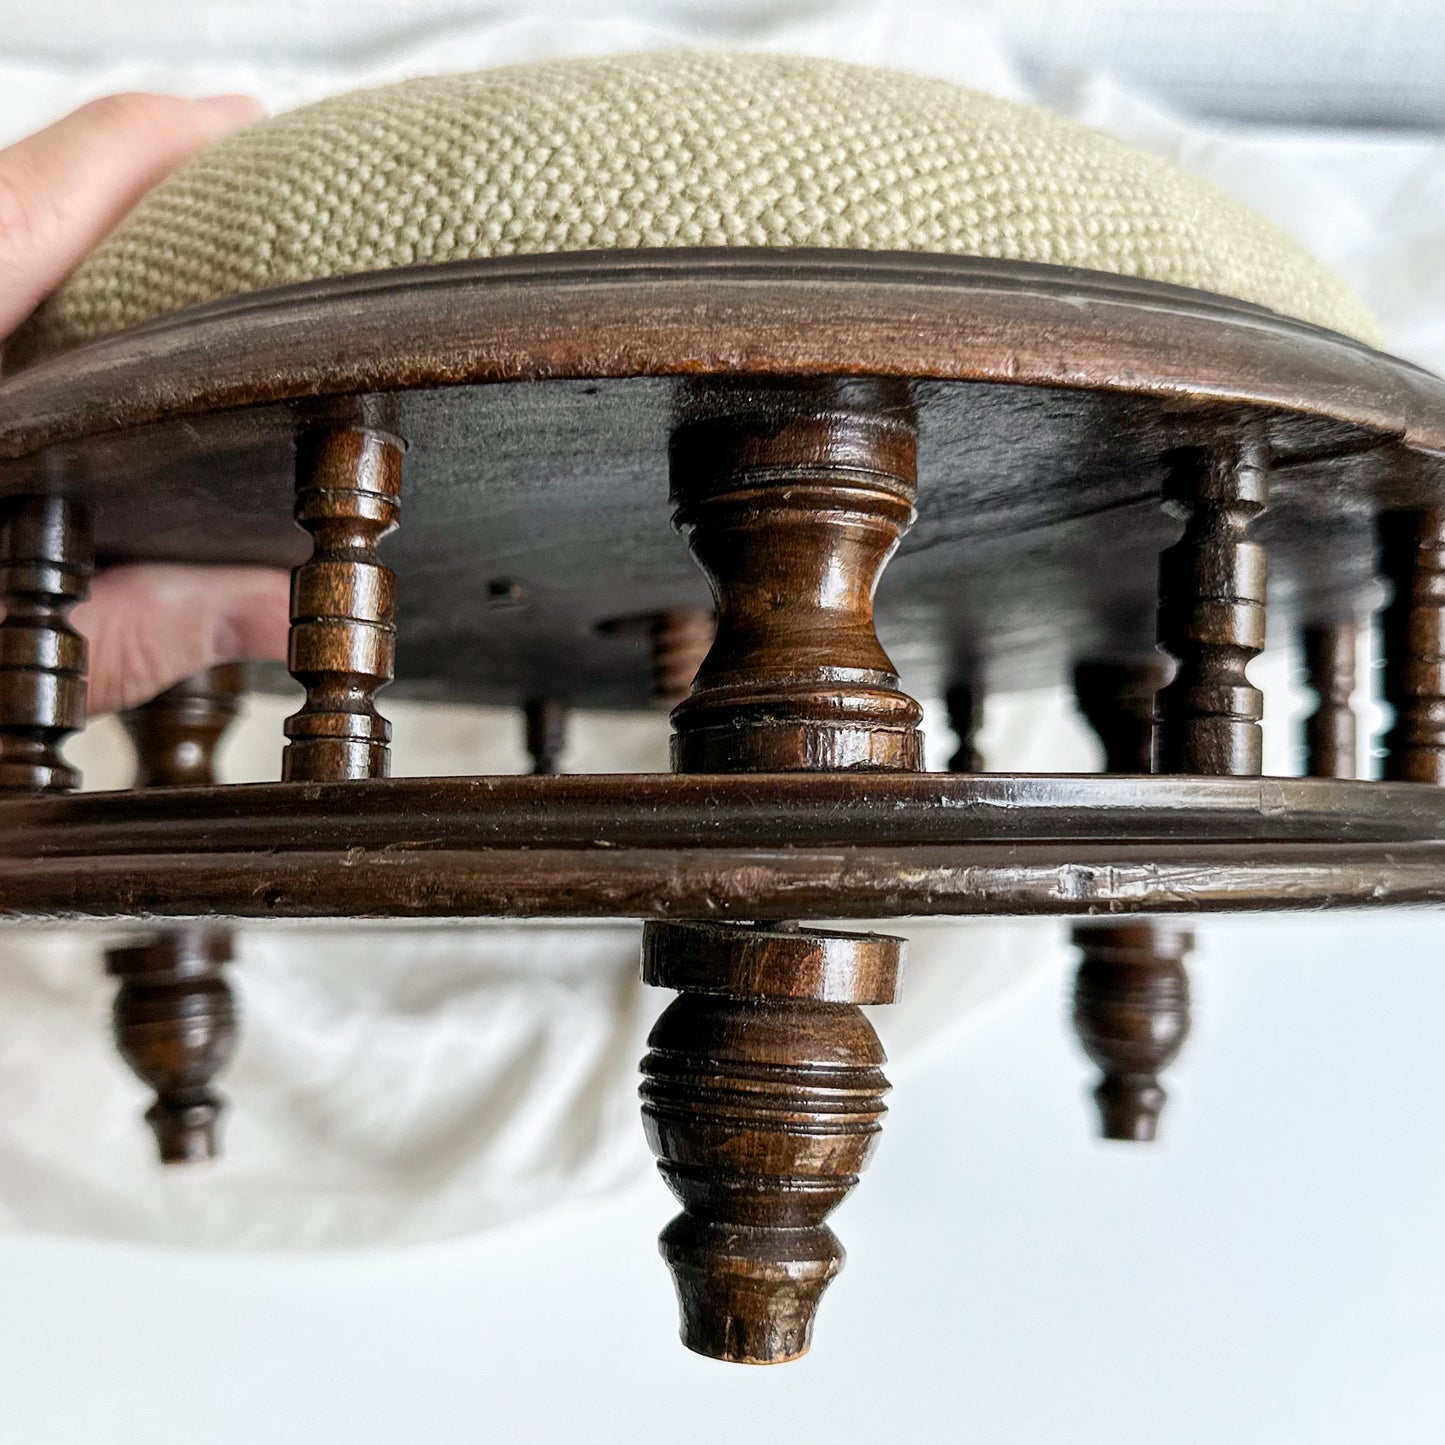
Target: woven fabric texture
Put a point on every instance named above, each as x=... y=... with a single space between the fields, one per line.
x=671 y=149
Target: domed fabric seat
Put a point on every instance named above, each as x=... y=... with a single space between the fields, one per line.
x=671 y=150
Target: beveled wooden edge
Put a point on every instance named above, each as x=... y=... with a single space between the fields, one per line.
x=750 y=846
x=975 y=880
x=616 y=314
x=700 y=811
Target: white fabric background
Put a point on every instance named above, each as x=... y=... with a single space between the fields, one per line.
x=406 y=1085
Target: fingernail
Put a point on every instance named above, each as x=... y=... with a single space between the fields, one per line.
x=230 y=111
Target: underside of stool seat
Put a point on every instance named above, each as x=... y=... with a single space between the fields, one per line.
x=683 y=150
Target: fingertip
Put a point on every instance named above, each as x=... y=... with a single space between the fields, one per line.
x=228 y=112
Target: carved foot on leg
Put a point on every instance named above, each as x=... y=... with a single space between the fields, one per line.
x=175 y=1025
x=1131 y=1012
x=763 y=1100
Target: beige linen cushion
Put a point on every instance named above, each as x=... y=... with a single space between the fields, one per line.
x=671 y=149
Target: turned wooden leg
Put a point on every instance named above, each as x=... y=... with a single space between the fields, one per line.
x=964 y=703
x=763 y=1090
x=343 y=606
x=1131 y=1013
x=175 y=1025
x=1331 y=744
x=678 y=640
x=545 y=721
x=1413 y=559
x=1131 y=993
x=763 y=1098
x=175 y=1016
x=47 y=557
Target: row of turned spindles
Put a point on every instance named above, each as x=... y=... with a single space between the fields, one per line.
x=763 y=1089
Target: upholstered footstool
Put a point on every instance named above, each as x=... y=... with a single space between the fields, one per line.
x=821 y=317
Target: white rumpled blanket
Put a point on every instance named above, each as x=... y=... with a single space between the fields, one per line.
x=396 y=1084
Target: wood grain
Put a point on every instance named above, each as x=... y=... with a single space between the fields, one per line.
x=1212 y=594
x=760 y=882
x=762 y=1098
x=664 y=810
x=343 y=606
x=792 y=501
x=45 y=565
x=762 y=1088
x=716 y=312
x=1131 y=1013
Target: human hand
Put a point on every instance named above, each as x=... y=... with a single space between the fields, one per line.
x=61 y=190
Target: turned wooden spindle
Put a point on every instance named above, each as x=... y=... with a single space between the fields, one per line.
x=964 y=703
x=1413 y=626
x=763 y=1088
x=343 y=606
x=792 y=512
x=546 y=732
x=1212 y=612
x=681 y=638
x=1131 y=1013
x=1131 y=992
x=1330 y=730
x=47 y=556
x=175 y=1015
